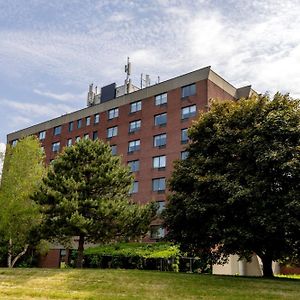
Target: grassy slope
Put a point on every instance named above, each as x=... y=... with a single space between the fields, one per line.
x=133 y=284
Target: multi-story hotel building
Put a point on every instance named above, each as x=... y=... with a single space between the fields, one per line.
x=147 y=126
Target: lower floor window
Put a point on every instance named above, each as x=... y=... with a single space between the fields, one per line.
x=157 y=232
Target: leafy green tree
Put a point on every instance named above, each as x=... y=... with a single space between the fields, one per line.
x=86 y=194
x=238 y=192
x=19 y=215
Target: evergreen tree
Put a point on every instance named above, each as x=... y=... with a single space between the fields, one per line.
x=86 y=194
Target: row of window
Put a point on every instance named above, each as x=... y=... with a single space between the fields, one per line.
x=158 y=185
x=159 y=140
x=160 y=119
x=158 y=162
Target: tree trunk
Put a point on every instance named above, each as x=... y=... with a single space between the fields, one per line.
x=79 y=261
x=9 y=253
x=19 y=255
x=267 y=266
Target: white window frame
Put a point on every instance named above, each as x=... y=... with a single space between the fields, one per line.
x=113 y=113
x=112 y=131
x=188 y=112
x=42 y=135
x=159 y=137
x=135 y=125
x=161 y=99
x=159 y=162
x=134 y=146
x=157 y=118
x=135 y=106
x=160 y=188
x=55 y=147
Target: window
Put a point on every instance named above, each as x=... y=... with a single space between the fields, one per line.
x=79 y=123
x=160 y=140
x=160 y=120
x=188 y=112
x=95 y=135
x=134 y=188
x=96 y=118
x=113 y=149
x=188 y=90
x=134 y=165
x=135 y=106
x=184 y=136
x=158 y=184
x=113 y=113
x=157 y=232
x=161 y=206
x=69 y=142
x=112 y=131
x=161 y=99
x=71 y=126
x=55 y=147
x=77 y=139
x=159 y=162
x=42 y=135
x=14 y=143
x=135 y=126
x=184 y=155
x=134 y=146
x=87 y=121
x=86 y=136
x=57 y=130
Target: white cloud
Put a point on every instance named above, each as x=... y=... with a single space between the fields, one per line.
x=61 y=97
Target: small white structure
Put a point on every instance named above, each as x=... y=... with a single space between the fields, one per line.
x=242 y=267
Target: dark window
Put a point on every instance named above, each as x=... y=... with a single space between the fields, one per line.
x=184 y=136
x=161 y=99
x=79 y=123
x=184 y=155
x=188 y=90
x=188 y=112
x=71 y=126
x=134 y=165
x=57 y=130
x=160 y=140
x=134 y=146
x=158 y=184
x=160 y=120
x=95 y=135
x=157 y=232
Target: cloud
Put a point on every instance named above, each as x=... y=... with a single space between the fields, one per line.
x=26 y=112
x=61 y=97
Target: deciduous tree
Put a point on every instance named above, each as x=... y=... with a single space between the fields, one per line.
x=238 y=192
x=19 y=215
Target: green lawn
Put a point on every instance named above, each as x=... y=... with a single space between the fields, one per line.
x=134 y=284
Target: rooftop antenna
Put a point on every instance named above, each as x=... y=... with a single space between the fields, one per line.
x=128 y=73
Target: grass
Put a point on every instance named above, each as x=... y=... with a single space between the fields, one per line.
x=134 y=284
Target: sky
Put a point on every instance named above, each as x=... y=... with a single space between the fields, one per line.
x=50 y=51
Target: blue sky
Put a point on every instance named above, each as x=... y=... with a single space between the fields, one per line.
x=51 y=50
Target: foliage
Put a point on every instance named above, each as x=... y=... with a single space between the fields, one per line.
x=86 y=194
x=153 y=250
x=19 y=216
x=238 y=192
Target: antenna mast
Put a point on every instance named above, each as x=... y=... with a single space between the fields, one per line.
x=128 y=73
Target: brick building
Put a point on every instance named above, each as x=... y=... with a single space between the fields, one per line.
x=147 y=127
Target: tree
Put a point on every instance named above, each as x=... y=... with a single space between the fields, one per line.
x=19 y=215
x=238 y=192
x=86 y=194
